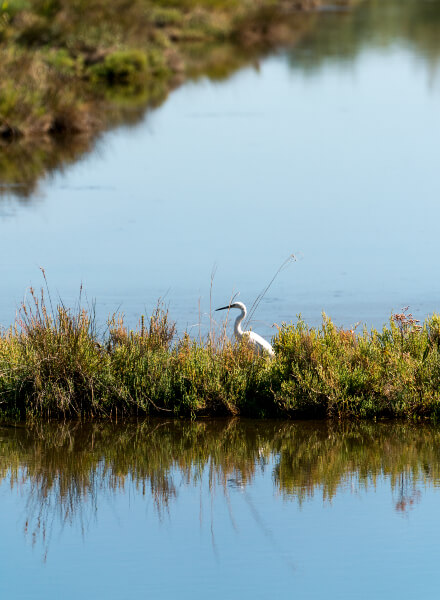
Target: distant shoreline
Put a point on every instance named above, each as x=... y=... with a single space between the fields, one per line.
x=66 y=71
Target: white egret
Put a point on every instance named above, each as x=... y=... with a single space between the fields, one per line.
x=259 y=343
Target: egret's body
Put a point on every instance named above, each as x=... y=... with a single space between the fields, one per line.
x=259 y=343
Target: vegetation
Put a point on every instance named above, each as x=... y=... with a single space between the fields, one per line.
x=54 y=364
x=71 y=69
x=60 y=58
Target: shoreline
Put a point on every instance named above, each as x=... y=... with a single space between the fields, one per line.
x=54 y=365
x=60 y=76
x=65 y=83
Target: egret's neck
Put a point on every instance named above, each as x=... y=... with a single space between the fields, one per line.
x=237 y=327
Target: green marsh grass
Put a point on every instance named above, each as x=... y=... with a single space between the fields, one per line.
x=55 y=364
x=58 y=58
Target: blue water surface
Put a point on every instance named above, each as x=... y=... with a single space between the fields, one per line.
x=228 y=527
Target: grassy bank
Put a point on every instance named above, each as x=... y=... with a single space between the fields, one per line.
x=70 y=70
x=54 y=364
x=63 y=63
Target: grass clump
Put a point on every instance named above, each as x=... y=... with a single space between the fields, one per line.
x=53 y=363
x=128 y=67
x=393 y=372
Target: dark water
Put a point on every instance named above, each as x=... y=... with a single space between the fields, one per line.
x=217 y=509
x=328 y=150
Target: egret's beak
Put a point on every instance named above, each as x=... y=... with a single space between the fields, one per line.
x=222 y=308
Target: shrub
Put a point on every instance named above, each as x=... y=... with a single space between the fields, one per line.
x=121 y=67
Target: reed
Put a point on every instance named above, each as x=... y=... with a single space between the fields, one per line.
x=55 y=364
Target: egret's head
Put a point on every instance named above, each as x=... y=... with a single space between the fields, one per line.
x=238 y=305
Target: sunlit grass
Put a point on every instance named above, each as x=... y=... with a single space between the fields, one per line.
x=54 y=363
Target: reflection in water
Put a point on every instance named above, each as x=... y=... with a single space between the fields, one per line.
x=316 y=39
x=342 y=36
x=67 y=471
x=23 y=162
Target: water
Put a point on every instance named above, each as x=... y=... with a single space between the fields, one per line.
x=219 y=509
x=328 y=150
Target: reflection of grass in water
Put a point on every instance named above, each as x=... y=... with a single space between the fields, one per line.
x=21 y=164
x=360 y=453
x=342 y=36
x=24 y=161
x=70 y=466
x=66 y=469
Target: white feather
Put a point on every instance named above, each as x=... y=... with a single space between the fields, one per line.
x=260 y=344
